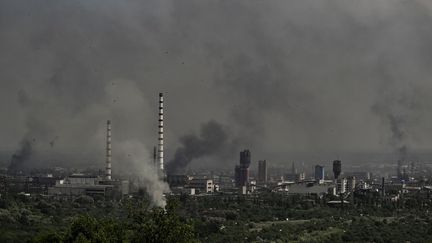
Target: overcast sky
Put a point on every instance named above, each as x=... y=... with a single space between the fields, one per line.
x=279 y=76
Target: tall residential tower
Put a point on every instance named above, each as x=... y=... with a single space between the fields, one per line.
x=262 y=171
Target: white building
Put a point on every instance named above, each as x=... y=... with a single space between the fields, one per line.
x=341 y=185
x=201 y=185
x=351 y=184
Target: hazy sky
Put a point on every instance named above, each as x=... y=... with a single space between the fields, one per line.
x=280 y=76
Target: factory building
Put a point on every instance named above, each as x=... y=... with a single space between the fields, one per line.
x=201 y=185
x=262 y=171
x=178 y=180
x=183 y=184
x=80 y=184
x=28 y=184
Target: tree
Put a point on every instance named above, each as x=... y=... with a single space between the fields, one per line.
x=89 y=229
x=161 y=225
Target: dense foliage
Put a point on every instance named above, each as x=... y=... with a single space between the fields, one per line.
x=216 y=218
x=85 y=220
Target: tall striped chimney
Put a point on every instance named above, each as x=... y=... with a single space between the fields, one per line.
x=160 y=151
x=108 y=151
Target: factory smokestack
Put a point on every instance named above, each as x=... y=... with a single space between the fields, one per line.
x=160 y=151
x=108 y=152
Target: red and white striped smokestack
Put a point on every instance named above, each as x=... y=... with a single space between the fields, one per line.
x=108 y=152
x=160 y=157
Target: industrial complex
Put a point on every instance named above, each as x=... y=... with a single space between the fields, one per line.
x=247 y=177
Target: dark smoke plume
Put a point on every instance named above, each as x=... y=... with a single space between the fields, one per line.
x=397 y=113
x=272 y=70
x=399 y=135
x=213 y=140
x=20 y=158
x=402 y=152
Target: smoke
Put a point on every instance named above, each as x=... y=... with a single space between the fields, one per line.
x=400 y=113
x=136 y=156
x=36 y=134
x=214 y=139
x=52 y=142
x=21 y=157
x=286 y=76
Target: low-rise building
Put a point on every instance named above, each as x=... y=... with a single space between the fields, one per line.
x=80 y=184
x=296 y=177
x=308 y=188
x=201 y=185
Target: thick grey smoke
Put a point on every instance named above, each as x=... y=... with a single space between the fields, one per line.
x=134 y=154
x=213 y=140
x=20 y=158
x=400 y=114
x=286 y=76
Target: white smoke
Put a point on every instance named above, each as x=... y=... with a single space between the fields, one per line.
x=134 y=154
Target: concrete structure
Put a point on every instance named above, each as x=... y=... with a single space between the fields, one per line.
x=360 y=175
x=27 y=184
x=337 y=168
x=79 y=184
x=201 y=185
x=308 y=188
x=76 y=190
x=298 y=177
x=262 y=171
x=237 y=175
x=178 y=180
x=319 y=173
x=120 y=187
x=245 y=158
x=351 y=184
x=80 y=179
x=160 y=149
x=341 y=185
x=337 y=203
x=243 y=190
x=108 y=151
x=241 y=172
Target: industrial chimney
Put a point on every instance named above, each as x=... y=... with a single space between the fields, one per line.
x=108 y=152
x=160 y=157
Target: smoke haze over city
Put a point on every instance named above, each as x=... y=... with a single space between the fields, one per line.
x=278 y=77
